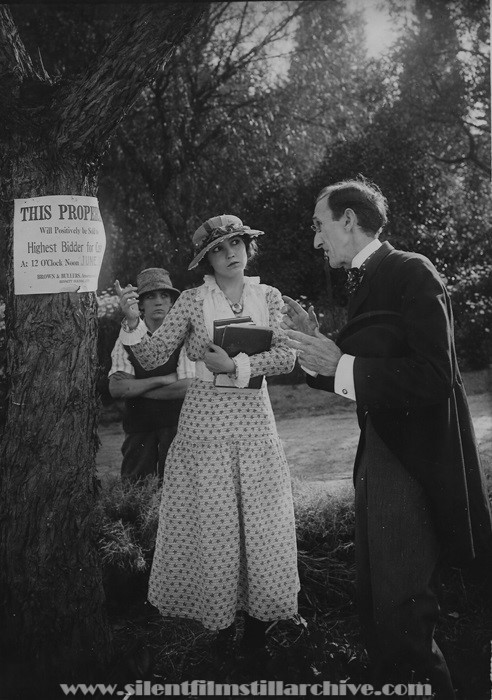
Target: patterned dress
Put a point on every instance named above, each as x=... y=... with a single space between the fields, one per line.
x=226 y=539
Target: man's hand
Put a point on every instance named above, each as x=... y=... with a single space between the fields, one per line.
x=318 y=354
x=217 y=360
x=128 y=303
x=296 y=319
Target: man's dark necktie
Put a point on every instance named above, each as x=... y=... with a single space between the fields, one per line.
x=354 y=278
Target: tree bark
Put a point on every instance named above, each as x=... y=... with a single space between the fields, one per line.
x=50 y=576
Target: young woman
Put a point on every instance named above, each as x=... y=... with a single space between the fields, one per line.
x=226 y=539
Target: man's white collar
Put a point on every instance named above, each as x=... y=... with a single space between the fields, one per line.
x=363 y=254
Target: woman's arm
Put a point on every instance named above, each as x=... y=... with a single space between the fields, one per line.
x=280 y=359
x=156 y=350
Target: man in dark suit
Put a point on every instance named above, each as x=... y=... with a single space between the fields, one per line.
x=420 y=498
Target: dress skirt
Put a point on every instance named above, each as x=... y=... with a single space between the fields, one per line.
x=226 y=539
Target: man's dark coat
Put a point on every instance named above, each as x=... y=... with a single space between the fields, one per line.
x=400 y=330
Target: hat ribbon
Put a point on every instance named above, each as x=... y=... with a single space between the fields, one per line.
x=218 y=232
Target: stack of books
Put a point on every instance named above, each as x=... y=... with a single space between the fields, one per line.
x=240 y=334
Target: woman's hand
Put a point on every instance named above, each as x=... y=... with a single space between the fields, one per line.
x=217 y=360
x=128 y=303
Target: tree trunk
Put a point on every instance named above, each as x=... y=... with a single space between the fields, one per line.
x=51 y=576
x=52 y=611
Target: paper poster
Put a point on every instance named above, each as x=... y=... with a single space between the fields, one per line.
x=59 y=244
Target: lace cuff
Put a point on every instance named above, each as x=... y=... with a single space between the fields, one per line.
x=134 y=336
x=243 y=370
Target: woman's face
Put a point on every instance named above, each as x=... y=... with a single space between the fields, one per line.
x=229 y=257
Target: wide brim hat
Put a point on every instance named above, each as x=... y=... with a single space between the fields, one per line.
x=215 y=230
x=153 y=279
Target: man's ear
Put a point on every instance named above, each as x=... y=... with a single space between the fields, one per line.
x=349 y=218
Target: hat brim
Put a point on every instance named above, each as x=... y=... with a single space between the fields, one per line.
x=161 y=288
x=246 y=232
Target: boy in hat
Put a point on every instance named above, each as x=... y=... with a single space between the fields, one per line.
x=153 y=399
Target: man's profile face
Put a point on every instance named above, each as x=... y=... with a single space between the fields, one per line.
x=331 y=235
x=156 y=305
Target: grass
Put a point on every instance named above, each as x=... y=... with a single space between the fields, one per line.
x=326 y=647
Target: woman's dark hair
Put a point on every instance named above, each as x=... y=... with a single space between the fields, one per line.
x=363 y=197
x=251 y=250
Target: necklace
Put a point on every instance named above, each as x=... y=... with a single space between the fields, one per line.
x=237 y=306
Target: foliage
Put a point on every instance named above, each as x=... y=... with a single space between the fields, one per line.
x=107 y=304
x=199 y=139
x=128 y=516
x=471 y=296
x=429 y=213
x=444 y=82
x=325 y=536
x=224 y=123
x=65 y=39
x=331 y=87
x=438 y=208
x=117 y=545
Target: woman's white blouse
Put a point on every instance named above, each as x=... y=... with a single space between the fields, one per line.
x=191 y=321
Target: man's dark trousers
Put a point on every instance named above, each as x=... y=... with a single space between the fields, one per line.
x=396 y=560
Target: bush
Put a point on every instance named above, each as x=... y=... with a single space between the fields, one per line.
x=325 y=527
x=128 y=515
x=471 y=296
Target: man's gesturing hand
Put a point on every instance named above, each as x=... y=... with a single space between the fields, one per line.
x=318 y=354
x=296 y=319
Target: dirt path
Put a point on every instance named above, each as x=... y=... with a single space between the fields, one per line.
x=322 y=448
x=319 y=448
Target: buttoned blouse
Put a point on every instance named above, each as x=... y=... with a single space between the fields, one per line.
x=190 y=321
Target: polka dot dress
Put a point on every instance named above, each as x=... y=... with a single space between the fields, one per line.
x=226 y=539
